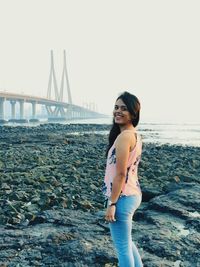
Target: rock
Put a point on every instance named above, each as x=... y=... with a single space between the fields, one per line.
x=5 y=186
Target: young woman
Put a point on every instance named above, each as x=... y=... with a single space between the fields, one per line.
x=121 y=185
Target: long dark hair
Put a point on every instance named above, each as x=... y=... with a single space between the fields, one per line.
x=133 y=106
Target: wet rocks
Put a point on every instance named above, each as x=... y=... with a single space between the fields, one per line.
x=170 y=230
x=51 y=205
x=163 y=166
x=61 y=238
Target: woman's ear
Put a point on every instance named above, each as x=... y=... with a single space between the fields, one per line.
x=132 y=117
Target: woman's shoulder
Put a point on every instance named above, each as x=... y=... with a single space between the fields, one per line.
x=126 y=135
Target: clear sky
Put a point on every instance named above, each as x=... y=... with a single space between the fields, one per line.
x=150 y=48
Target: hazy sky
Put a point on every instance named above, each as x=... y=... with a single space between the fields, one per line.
x=150 y=48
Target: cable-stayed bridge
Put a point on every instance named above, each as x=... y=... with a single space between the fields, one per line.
x=56 y=107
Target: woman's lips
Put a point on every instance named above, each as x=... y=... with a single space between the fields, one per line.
x=118 y=118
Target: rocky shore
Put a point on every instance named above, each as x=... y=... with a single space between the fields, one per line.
x=51 y=205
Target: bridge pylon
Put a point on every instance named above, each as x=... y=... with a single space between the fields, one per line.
x=65 y=80
x=52 y=81
x=52 y=84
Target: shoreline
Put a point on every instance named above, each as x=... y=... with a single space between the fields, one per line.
x=50 y=190
x=149 y=135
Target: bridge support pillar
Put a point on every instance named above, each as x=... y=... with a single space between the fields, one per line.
x=1 y=108
x=12 y=102
x=33 y=110
x=70 y=112
x=21 y=103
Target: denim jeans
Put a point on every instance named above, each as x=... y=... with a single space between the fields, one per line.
x=127 y=252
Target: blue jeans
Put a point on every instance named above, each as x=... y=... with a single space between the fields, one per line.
x=127 y=252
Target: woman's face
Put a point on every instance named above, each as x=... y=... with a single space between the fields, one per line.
x=121 y=114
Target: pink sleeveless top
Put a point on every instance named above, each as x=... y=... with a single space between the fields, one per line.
x=131 y=184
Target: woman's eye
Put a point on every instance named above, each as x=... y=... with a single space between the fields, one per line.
x=116 y=107
x=123 y=108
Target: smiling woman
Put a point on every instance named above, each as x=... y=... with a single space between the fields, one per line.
x=121 y=185
x=121 y=114
x=126 y=105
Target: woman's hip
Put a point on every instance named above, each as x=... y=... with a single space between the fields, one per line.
x=127 y=205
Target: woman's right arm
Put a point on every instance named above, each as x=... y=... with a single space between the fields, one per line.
x=123 y=145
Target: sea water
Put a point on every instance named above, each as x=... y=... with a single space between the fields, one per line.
x=186 y=134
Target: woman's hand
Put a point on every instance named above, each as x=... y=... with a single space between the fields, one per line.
x=110 y=213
